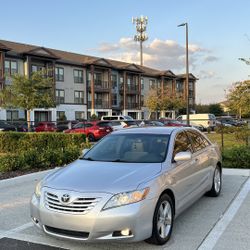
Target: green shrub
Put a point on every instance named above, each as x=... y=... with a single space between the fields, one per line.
x=13 y=142
x=236 y=157
x=10 y=162
x=19 y=151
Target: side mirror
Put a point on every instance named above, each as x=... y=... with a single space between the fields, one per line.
x=84 y=152
x=183 y=156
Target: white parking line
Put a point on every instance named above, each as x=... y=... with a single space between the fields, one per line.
x=15 y=230
x=214 y=235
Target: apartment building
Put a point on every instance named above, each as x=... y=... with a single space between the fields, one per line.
x=86 y=85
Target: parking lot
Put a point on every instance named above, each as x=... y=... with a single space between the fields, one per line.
x=211 y=223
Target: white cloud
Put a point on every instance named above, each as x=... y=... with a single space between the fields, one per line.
x=160 y=54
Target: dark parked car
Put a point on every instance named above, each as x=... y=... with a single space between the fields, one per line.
x=5 y=126
x=45 y=127
x=150 y=123
x=172 y=123
x=64 y=125
x=94 y=130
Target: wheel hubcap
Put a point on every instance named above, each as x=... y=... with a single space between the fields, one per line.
x=164 y=222
x=217 y=180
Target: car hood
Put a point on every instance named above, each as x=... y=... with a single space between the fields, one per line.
x=108 y=177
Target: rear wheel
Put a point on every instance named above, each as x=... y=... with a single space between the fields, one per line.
x=217 y=181
x=91 y=137
x=163 y=221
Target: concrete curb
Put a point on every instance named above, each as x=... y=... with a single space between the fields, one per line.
x=234 y=171
x=25 y=178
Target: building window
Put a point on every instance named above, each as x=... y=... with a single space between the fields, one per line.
x=79 y=115
x=114 y=99
x=36 y=68
x=60 y=115
x=142 y=100
x=59 y=72
x=60 y=96
x=114 y=81
x=152 y=84
x=10 y=67
x=78 y=76
x=79 y=97
x=142 y=83
x=12 y=115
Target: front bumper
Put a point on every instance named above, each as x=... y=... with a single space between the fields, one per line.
x=97 y=224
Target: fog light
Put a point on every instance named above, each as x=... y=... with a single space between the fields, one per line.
x=35 y=220
x=125 y=232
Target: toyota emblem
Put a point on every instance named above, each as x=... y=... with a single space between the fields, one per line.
x=65 y=198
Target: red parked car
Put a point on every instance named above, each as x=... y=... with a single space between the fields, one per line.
x=172 y=123
x=45 y=127
x=94 y=130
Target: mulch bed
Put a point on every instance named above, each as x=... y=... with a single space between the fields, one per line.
x=16 y=173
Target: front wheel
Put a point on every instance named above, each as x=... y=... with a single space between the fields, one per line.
x=91 y=137
x=163 y=221
x=217 y=181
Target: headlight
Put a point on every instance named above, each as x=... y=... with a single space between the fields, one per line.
x=38 y=189
x=126 y=198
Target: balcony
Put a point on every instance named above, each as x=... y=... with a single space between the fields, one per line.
x=130 y=89
x=99 y=104
x=130 y=105
x=100 y=86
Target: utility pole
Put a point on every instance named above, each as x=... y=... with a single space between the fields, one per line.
x=141 y=36
x=187 y=71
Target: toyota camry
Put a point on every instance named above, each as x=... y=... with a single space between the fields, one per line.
x=130 y=186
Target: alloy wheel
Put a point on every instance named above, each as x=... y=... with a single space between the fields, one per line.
x=164 y=222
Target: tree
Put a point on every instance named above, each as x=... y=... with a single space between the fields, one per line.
x=239 y=98
x=29 y=93
x=152 y=101
x=155 y=102
x=202 y=108
x=215 y=109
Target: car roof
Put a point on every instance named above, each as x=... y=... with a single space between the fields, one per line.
x=149 y=130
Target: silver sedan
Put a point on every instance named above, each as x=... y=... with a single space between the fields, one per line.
x=130 y=186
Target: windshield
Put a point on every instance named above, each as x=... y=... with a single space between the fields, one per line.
x=134 y=148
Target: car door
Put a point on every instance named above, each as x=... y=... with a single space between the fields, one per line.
x=78 y=128
x=183 y=172
x=202 y=166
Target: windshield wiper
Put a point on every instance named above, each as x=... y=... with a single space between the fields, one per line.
x=87 y=159
x=118 y=160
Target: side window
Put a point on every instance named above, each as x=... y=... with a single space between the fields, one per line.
x=88 y=125
x=79 y=125
x=182 y=144
x=197 y=140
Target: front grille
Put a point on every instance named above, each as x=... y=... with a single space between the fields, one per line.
x=67 y=233
x=77 y=205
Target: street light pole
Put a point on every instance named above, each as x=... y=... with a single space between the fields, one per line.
x=187 y=73
x=141 y=36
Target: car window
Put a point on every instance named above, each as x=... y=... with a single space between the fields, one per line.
x=198 y=141
x=88 y=125
x=182 y=143
x=116 y=123
x=134 y=148
x=79 y=125
x=104 y=124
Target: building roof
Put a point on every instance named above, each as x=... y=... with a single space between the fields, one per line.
x=79 y=59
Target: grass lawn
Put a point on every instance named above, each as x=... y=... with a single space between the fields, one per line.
x=229 y=140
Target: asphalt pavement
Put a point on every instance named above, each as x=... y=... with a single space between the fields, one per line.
x=210 y=223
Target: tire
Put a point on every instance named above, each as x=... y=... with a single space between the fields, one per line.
x=91 y=137
x=217 y=183
x=163 y=221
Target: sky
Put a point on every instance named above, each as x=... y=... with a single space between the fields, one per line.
x=219 y=34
